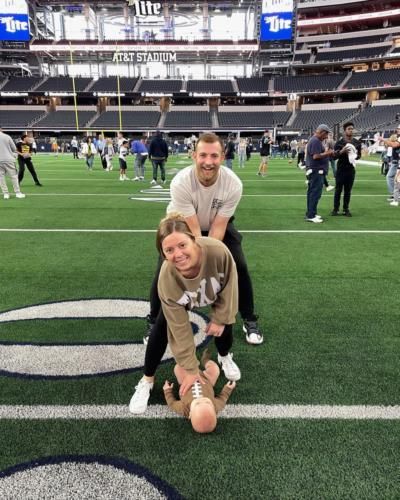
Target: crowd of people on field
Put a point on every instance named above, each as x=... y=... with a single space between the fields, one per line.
x=201 y=261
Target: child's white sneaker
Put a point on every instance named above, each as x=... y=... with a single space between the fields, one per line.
x=121 y=177
x=6 y=196
x=330 y=188
x=19 y=195
x=394 y=203
x=140 y=398
x=229 y=367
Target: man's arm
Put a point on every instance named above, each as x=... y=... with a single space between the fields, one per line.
x=392 y=144
x=218 y=227
x=194 y=226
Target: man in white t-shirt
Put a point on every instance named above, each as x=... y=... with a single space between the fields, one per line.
x=207 y=194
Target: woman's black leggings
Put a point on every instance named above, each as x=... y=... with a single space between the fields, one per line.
x=158 y=341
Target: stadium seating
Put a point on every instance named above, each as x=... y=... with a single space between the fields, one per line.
x=309 y=119
x=259 y=119
x=11 y=118
x=361 y=40
x=21 y=83
x=63 y=84
x=364 y=53
x=209 y=86
x=253 y=84
x=376 y=117
x=188 y=119
x=110 y=84
x=64 y=119
x=308 y=83
x=302 y=58
x=130 y=119
x=368 y=79
x=163 y=86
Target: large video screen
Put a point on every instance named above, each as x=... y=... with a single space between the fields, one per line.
x=276 y=20
x=14 y=20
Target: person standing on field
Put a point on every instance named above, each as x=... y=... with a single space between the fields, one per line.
x=8 y=154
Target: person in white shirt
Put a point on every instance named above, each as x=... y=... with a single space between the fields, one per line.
x=89 y=151
x=123 y=153
x=8 y=155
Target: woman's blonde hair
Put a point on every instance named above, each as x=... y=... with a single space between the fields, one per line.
x=174 y=221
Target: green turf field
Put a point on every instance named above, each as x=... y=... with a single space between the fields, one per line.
x=326 y=295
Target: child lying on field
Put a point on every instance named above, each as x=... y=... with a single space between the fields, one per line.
x=199 y=404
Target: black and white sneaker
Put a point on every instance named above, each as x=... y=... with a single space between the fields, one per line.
x=253 y=334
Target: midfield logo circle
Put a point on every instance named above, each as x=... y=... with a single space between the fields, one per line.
x=44 y=360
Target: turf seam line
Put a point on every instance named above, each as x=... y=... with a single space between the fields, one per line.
x=249 y=231
x=250 y=411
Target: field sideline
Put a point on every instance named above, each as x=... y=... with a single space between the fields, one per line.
x=316 y=414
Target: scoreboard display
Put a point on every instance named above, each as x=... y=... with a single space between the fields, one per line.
x=14 y=21
x=276 y=20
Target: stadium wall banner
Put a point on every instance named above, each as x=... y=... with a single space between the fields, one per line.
x=276 y=20
x=145 y=57
x=14 y=20
x=143 y=8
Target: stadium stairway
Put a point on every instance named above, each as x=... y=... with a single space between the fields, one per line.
x=38 y=119
x=136 y=87
x=39 y=83
x=346 y=79
x=292 y=118
x=89 y=86
x=162 y=119
x=214 y=119
x=92 y=120
x=3 y=83
x=235 y=86
x=184 y=86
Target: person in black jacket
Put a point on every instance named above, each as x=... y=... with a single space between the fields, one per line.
x=265 y=153
x=230 y=151
x=24 y=148
x=347 y=151
x=158 y=153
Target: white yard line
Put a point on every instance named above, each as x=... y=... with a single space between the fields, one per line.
x=257 y=411
x=265 y=180
x=249 y=231
x=163 y=193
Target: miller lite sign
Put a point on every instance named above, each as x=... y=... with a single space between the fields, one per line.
x=14 y=20
x=143 y=8
x=276 y=20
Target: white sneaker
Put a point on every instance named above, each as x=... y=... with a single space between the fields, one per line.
x=121 y=177
x=140 y=398
x=126 y=178
x=318 y=217
x=136 y=179
x=394 y=203
x=330 y=188
x=141 y=178
x=316 y=220
x=6 y=196
x=229 y=367
x=20 y=195
x=153 y=182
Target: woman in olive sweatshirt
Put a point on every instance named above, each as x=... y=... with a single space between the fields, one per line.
x=196 y=272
